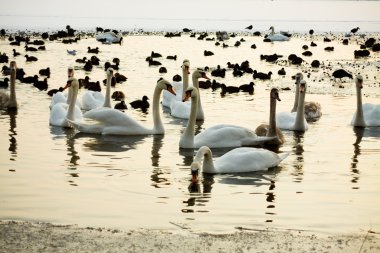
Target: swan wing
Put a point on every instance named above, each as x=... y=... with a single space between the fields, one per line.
x=58 y=97
x=168 y=98
x=371 y=113
x=58 y=114
x=223 y=135
x=92 y=100
x=285 y=120
x=313 y=111
x=246 y=159
x=180 y=109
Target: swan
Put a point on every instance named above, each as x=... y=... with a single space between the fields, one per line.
x=238 y=160
x=295 y=120
x=10 y=101
x=181 y=109
x=109 y=38
x=114 y=122
x=61 y=113
x=93 y=99
x=218 y=136
x=271 y=129
x=276 y=36
x=366 y=114
x=178 y=87
x=313 y=110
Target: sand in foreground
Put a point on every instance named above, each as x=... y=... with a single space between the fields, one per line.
x=46 y=237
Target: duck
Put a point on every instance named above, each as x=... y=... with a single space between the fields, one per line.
x=4 y=83
x=178 y=86
x=261 y=75
x=179 y=109
x=366 y=115
x=228 y=89
x=218 y=136
x=341 y=73
x=142 y=104
x=121 y=105
x=30 y=58
x=271 y=129
x=238 y=160
x=118 y=95
x=313 y=110
x=295 y=121
x=9 y=101
x=45 y=72
x=62 y=113
x=114 y=122
x=93 y=50
x=94 y=99
x=276 y=36
x=15 y=53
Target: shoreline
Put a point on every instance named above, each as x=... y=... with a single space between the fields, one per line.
x=26 y=236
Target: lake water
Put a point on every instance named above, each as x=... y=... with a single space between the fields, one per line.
x=327 y=184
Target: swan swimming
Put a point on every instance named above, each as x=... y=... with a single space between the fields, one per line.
x=238 y=160
x=367 y=114
x=114 y=122
x=178 y=87
x=271 y=129
x=10 y=101
x=276 y=36
x=218 y=136
x=313 y=110
x=109 y=38
x=179 y=109
x=295 y=120
x=62 y=113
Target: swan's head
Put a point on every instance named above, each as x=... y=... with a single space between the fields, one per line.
x=359 y=81
x=13 y=65
x=302 y=86
x=110 y=71
x=200 y=74
x=165 y=85
x=195 y=168
x=190 y=92
x=271 y=28
x=274 y=94
x=70 y=72
x=186 y=66
x=73 y=82
x=299 y=77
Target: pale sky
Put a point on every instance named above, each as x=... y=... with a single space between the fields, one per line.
x=204 y=9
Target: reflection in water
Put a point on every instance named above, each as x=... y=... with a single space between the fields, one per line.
x=12 y=129
x=298 y=151
x=157 y=144
x=199 y=198
x=159 y=174
x=359 y=132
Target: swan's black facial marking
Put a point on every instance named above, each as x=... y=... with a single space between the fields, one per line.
x=194 y=174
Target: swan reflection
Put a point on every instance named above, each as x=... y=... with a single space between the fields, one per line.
x=298 y=138
x=198 y=197
x=12 y=133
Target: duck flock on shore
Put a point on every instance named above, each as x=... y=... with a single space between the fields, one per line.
x=182 y=97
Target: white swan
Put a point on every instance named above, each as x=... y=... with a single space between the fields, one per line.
x=295 y=120
x=61 y=97
x=271 y=129
x=181 y=109
x=10 y=101
x=238 y=160
x=366 y=114
x=218 y=136
x=178 y=87
x=94 y=99
x=62 y=113
x=114 y=122
x=313 y=110
x=109 y=38
x=276 y=36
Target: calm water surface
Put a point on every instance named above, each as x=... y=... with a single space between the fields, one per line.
x=329 y=183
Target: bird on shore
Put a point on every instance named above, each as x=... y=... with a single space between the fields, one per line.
x=341 y=73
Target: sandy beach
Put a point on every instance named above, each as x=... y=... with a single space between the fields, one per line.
x=45 y=237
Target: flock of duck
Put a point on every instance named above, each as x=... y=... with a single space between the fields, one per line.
x=96 y=116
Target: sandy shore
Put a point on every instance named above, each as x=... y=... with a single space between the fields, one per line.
x=45 y=237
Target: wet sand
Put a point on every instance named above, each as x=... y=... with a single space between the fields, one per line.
x=46 y=237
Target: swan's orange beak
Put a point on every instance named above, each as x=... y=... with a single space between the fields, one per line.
x=205 y=76
x=194 y=175
x=170 y=89
x=302 y=88
x=187 y=96
x=278 y=97
x=187 y=68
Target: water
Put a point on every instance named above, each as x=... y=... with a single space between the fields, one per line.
x=327 y=183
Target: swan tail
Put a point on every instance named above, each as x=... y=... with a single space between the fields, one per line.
x=283 y=156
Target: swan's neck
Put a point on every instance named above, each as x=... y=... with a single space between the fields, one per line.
x=107 y=100
x=12 y=96
x=359 y=119
x=185 y=75
x=73 y=92
x=272 y=118
x=272 y=31
x=296 y=97
x=208 y=164
x=187 y=138
x=200 y=113
x=299 y=124
x=158 y=127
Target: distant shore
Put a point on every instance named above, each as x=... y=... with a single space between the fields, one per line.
x=22 y=236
